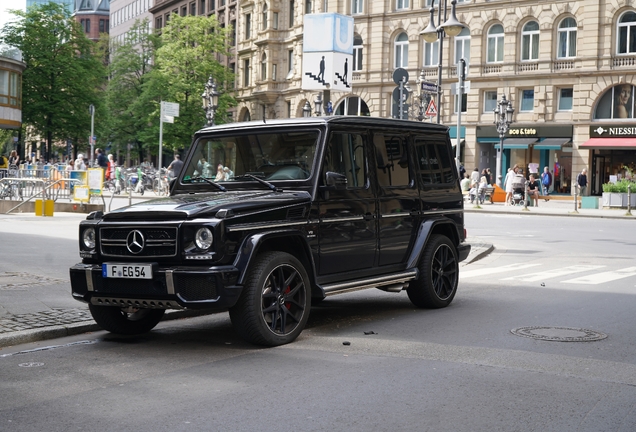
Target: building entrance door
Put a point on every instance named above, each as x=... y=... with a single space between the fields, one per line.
x=598 y=174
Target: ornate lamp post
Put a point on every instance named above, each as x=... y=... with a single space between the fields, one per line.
x=452 y=27
x=503 y=118
x=318 y=105
x=307 y=109
x=210 y=101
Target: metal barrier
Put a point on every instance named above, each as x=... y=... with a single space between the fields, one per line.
x=22 y=183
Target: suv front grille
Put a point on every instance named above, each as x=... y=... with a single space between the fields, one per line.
x=157 y=241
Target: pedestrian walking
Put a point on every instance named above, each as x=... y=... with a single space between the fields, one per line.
x=474 y=178
x=510 y=175
x=581 y=181
x=79 y=163
x=546 y=181
x=175 y=166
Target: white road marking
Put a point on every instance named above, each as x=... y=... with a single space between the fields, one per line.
x=495 y=270
x=599 y=278
x=548 y=274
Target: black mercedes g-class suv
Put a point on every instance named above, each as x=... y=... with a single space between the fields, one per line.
x=266 y=217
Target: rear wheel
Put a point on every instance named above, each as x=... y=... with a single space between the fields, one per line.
x=126 y=321
x=274 y=305
x=439 y=275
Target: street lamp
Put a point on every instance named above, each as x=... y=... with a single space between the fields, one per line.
x=503 y=117
x=210 y=101
x=452 y=27
x=307 y=109
x=318 y=105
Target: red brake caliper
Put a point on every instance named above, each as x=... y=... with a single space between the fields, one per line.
x=287 y=291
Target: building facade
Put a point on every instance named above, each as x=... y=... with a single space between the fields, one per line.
x=567 y=67
x=93 y=15
x=124 y=14
x=11 y=93
x=66 y=3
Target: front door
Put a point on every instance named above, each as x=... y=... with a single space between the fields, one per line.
x=348 y=231
x=597 y=174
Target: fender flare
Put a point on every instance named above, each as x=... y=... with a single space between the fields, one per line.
x=423 y=234
x=252 y=244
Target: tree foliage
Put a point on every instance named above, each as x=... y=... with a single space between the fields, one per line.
x=63 y=75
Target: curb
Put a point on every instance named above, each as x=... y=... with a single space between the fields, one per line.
x=62 y=330
x=484 y=250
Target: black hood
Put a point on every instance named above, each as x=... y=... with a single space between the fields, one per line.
x=189 y=206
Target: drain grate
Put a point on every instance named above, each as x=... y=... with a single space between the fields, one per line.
x=559 y=334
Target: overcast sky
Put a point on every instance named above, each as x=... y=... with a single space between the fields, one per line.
x=9 y=4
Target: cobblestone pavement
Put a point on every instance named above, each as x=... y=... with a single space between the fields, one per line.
x=43 y=319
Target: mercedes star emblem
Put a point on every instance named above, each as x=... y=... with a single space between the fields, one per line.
x=135 y=242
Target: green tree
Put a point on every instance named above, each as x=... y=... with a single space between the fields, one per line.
x=189 y=54
x=63 y=75
x=129 y=70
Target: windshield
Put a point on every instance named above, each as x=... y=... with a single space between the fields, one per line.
x=269 y=156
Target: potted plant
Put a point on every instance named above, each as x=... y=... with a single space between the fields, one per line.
x=615 y=194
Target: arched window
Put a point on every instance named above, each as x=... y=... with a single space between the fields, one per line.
x=495 y=44
x=352 y=105
x=616 y=103
x=462 y=46
x=264 y=67
x=431 y=53
x=530 y=41
x=401 y=50
x=247 y=116
x=357 y=52
x=626 y=43
x=567 y=39
x=264 y=23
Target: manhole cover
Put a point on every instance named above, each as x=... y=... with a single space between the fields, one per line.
x=559 y=334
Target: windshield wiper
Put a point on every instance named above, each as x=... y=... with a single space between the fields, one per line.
x=260 y=180
x=221 y=188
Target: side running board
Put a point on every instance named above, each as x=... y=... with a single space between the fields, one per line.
x=391 y=282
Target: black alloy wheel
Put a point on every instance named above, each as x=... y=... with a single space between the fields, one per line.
x=439 y=275
x=274 y=305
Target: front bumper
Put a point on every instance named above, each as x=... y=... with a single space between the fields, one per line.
x=170 y=287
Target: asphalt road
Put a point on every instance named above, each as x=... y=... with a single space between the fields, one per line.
x=455 y=369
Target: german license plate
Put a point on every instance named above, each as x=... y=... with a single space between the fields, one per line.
x=127 y=271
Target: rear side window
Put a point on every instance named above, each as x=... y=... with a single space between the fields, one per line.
x=345 y=155
x=434 y=162
x=392 y=160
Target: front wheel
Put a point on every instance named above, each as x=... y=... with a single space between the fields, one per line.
x=126 y=321
x=274 y=305
x=439 y=275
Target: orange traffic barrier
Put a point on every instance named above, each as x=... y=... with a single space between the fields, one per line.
x=498 y=195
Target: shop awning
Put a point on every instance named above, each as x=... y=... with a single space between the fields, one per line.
x=551 y=144
x=518 y=143
x=452 y=131
x=488 y=140
x=609 y=143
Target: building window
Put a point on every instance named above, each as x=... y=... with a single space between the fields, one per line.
x=356 y=7
x=193 y=9
x=462 y=46
x=246 y=73
x=307 y=6
x=401 y=48
x=264 y=18
x=289 y=105
x=567 y=38
x=464 y=102
x=357 y=53
x=275 y=20
x=232 y=67
x=184 y=10
x=565 y=99
x=290 y=60
x=527 y=100
x=490 y=101
x=495 y=44
x=291 y=13
x=530 y=41
x=233 y=33
x=274 y=71
x=264 y=67
x=211 y=5
x=248 y=26
x=616 y=103
x=627 y=34
x=431 y=53
x=401 y=4
x=102 y=28
x=201 y=7
x=352 y=105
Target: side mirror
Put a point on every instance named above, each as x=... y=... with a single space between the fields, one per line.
x=336 y=180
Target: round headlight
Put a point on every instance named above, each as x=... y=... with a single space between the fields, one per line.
x=203 y=238
x=88 y=237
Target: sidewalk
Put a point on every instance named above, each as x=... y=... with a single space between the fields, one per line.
x=38 y=307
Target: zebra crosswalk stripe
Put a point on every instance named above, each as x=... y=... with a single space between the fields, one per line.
x=552 y=273
x=599 y=278
x=494 y=270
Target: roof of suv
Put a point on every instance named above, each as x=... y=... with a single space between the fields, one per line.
x=351 y=120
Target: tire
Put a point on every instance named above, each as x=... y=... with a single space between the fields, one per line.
x=439 y=275
x=274 y=306
x=115 y=320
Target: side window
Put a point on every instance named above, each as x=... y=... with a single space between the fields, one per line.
x=391 y=160
x=346 y=156
x=434 y=162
